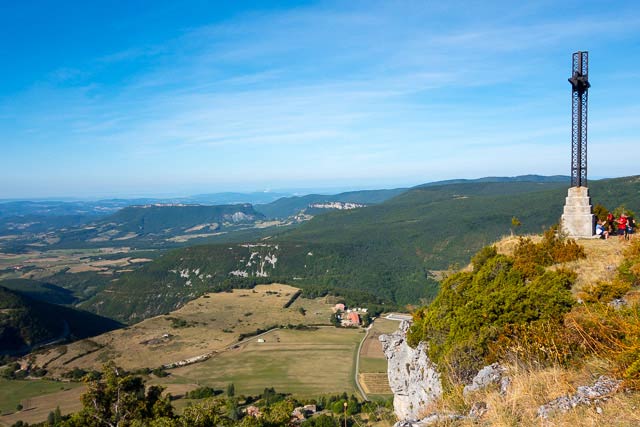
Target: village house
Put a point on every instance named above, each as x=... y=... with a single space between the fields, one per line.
x=354 y=318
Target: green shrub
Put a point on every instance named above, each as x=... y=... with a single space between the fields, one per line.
x=486 y=253
x=472 y=308
x=604 y=291
x=531 y=258
x=600 y=212
x=202 y=393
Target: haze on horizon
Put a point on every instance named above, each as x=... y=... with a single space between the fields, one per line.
x=182 y=98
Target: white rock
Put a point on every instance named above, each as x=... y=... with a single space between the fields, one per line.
x=413 y=377
x=491 y=374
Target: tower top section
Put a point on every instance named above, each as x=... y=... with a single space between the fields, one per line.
x=579 y=98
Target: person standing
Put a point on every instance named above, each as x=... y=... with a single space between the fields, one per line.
x=622 y=227
x=610 y=223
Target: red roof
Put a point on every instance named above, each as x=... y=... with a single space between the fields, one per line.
x=353 y=317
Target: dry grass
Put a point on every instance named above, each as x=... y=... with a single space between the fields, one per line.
x=375 y=383
x=531 y=389
x=155 y=342
x=603 y=258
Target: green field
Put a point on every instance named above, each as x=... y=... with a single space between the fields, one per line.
x=13 y=392
x=306 y=363
x=373 y=364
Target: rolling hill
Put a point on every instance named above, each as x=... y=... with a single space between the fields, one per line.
x=159 y=225
x=289 y=206
x=47 y=292
x=26 y=323
x=386 y=251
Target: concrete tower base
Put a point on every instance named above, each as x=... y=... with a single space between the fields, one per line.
x=577 y=219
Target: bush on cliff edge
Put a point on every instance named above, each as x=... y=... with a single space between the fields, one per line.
x=474 y=308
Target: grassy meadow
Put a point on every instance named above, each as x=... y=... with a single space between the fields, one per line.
x=37 y=397
x=206 y=325
x=305 y=363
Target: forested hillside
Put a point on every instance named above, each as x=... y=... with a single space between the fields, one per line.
x=390 y=250
x=288 y=206
x=387 y=250
x=26 y=322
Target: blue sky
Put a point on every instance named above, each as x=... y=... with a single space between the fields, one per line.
x=164 y=97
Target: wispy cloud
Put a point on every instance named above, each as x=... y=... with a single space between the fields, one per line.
x=421 y=84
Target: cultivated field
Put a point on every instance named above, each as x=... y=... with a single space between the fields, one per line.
x=373 y=363
x=204 y=326
x=306 y=363
x=38 y=265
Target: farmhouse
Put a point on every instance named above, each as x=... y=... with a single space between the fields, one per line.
x=353 y=317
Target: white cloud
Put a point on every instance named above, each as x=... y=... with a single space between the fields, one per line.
x=343 y=90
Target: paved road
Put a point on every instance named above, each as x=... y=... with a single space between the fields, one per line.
x=362 y=393
x=398 y=316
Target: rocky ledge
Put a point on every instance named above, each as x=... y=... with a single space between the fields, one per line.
x=413 y=377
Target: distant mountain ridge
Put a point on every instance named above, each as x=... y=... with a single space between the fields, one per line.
x=389 y=250
x=519 y=178
x=288 y=206
x=155 y=223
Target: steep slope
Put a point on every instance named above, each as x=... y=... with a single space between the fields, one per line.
x=533 y=314
x=26 y=323
x=40 y=291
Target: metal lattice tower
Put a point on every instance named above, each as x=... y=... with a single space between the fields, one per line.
x=580 y=91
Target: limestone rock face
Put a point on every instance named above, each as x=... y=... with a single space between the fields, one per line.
x=413 y=377
x=491 y=374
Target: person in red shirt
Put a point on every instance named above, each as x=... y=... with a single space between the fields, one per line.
x=622 y=227
x=610 y=223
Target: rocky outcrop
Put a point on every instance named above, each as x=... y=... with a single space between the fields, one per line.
x=584 y=396
x=413 y=377
x=491 y=374
x=430 y=420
